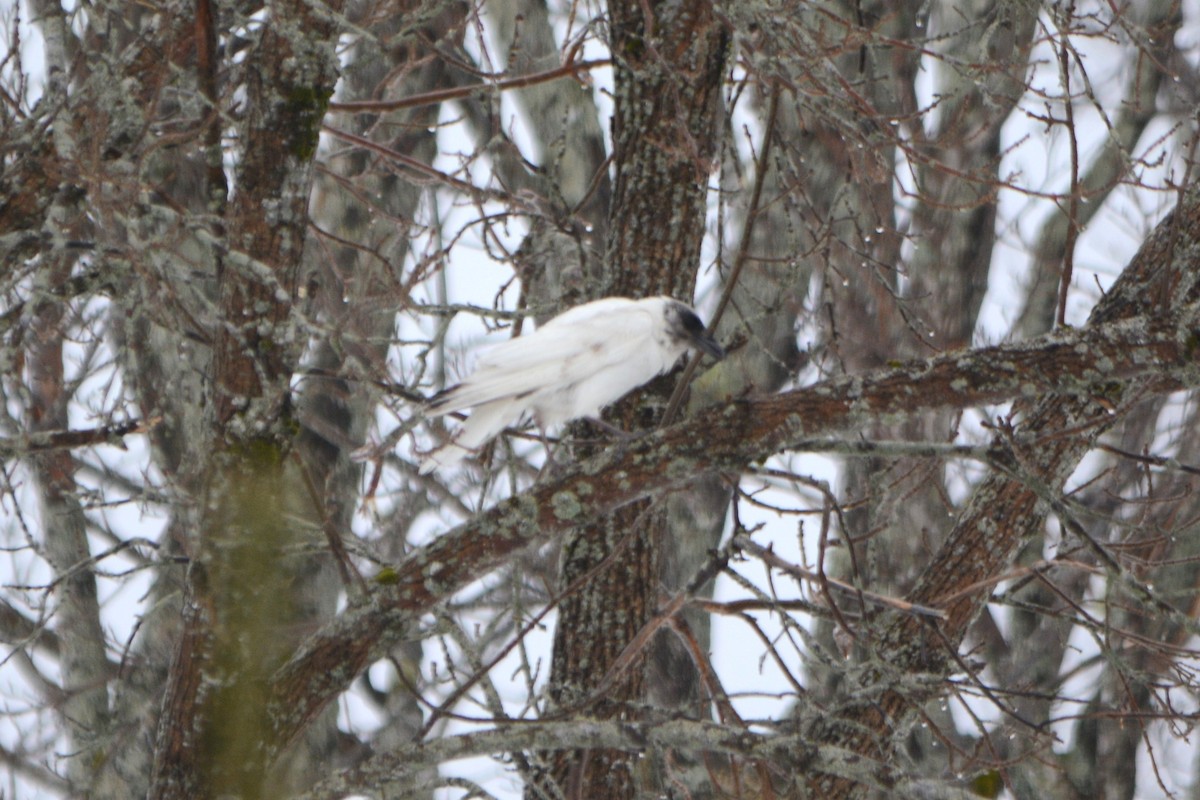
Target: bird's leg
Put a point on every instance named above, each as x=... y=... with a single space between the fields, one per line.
x=623 y=435
x=550 y=464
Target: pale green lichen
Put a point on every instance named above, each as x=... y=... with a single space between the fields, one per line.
x=566 y=505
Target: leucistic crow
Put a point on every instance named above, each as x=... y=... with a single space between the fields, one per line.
x=571 y=367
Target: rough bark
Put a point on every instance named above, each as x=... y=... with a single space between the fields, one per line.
x=1035 y=457
x=214 y=734
x=669 y=63
x=83 y=660
x=1086 y=363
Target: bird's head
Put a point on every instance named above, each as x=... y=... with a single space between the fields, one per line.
x=686 y=328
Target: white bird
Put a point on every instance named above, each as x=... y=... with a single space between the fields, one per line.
x=571 y=367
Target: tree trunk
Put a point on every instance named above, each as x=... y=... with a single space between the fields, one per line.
x=669 y=68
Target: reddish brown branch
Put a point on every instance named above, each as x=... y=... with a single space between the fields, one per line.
x=1159 y=352
x=459 y=92
x=42 y=441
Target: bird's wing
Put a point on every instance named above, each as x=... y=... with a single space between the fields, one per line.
x=561 y=353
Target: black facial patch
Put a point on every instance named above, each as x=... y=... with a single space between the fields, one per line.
x=690 y=323
x=688 y=328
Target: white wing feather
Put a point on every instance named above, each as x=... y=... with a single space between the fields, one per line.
x=568 y=368
x=484 y=423
x=561 y=352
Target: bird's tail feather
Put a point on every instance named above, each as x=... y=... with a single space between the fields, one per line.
x=444 y=457
x=485 y=422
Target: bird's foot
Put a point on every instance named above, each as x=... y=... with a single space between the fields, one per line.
x=623 y=435
x=551 y=469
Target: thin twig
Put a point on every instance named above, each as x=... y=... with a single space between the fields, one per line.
x=459 y=92
x=43 y=441
x=1068 y=265
x=771 y=559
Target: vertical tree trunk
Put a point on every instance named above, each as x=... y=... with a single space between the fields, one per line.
x=669 y=67
x=215 y=731
x=83 y=658
x=1005 y=511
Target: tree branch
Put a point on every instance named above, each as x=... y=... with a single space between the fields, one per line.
x=1009 y=506
x=407 y=763
x=41 y=441
x=1158 y=351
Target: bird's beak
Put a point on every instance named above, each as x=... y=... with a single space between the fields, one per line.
x=709 y=345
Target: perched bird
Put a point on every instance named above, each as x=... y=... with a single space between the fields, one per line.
x=571 y=367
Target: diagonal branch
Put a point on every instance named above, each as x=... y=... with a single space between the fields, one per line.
x=408 y=762
x=1004 y=512
x=493 y=84
x=1159 y=352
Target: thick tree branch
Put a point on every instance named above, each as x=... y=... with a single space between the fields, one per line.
x=213 y=717
x=1159 y=352
x=668 y=70
x=1010 y=505
x=634 y=736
